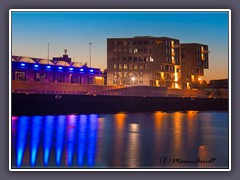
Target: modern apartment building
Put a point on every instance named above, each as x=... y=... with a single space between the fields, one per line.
x=194 y=59
x=143 y=60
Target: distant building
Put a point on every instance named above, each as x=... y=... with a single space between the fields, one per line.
x=105 y=76
x=143 y=60
x=219 y=84
x=53 y=71
x=194 y=59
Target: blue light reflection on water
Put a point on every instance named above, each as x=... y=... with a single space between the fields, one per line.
x=60 y=134
x=47 y=142
x=81 y=139
x=89 y=141
x=92 y=139
x=35 y=138
x=21 y=139
x=71 y=126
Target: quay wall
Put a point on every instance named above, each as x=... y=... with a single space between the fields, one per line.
x=39 y=104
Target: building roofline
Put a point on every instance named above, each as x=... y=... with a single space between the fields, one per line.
x=193 y=44
x=136 y=37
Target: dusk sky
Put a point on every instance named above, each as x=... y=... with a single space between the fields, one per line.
x=32 y=31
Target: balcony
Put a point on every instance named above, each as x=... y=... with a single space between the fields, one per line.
x=205 y=51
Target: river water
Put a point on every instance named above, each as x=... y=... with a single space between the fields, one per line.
x=188 y=139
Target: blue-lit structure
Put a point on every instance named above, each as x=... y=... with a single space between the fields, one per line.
x=54 y=71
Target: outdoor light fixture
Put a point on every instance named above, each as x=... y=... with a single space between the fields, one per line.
x=91 y=70
x=22 y=64
x=35 y=65
x=59 y=67
x=48 y=67
x=133 y=78
x=70 y=69
x=81 y=70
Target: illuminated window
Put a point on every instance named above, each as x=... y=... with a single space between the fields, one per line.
x=151 y=59
x=115 y=82
x=115 y=74
x=130 y=66
x=141 y=67
x=141 y=74
x=135 y=66
x=120 y=74
x=115 y=66
x=125 y=74
x=135 y=51
x=120 y=66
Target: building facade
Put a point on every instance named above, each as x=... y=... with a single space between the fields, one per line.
x=194 y=59
x=143 y=60
x=44 y=70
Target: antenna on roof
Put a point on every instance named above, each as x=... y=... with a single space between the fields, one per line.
x=48 y=51
x=65 y=51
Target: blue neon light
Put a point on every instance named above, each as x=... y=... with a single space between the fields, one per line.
x=22 y=64
x=35 y=65
x=70 y=69
x=91 y=70
x=59 y=67
x=81 y=69
x=48 y=67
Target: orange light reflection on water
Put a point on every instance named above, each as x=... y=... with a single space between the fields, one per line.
x=119 y=129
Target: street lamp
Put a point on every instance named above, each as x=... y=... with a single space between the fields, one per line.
x=133 y=79
x=90 y=44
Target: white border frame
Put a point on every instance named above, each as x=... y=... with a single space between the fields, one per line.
x=119 y=10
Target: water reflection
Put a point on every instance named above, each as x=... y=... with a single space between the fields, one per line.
x=48 y=136
x=21 y=139
x=119 y=140
x=133 y=145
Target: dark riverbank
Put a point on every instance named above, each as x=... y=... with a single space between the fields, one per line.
x=40 y=104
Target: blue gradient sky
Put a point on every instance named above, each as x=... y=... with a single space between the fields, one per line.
x=31 y=32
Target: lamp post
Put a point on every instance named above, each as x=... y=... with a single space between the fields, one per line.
x=90 y=45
